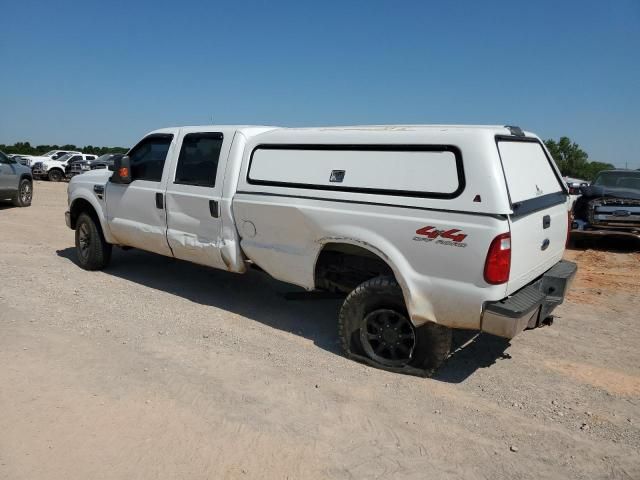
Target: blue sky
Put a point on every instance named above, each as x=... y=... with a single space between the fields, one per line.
x=105 y=73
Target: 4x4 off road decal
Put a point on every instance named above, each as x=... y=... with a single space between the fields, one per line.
x=452 y=237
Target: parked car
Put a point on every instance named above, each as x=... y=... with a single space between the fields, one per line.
x=16 y=183
x=54 y=170
x=423 y=228
x=51 y=155
x=610 y=206
x=103 y=161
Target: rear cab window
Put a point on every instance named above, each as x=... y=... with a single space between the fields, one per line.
x=532 y=182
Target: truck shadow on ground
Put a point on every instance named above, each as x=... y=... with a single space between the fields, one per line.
x=278 y=305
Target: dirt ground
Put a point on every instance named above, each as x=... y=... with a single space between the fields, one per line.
x=157 y=368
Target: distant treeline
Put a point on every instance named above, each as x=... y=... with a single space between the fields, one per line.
x=27 y=149
x=573 y=161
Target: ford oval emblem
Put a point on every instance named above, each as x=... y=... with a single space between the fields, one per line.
x=621 y=213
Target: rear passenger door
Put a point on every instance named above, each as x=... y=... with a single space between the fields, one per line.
x=193 y=199
x=136 y=212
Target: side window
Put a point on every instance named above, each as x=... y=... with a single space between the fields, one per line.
x=147 y=158
x=75 y=157
x=3 y=158
x=198 y=161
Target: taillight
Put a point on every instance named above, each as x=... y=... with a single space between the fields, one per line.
x=498 y=263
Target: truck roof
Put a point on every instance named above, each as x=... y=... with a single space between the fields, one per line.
x=309 y=132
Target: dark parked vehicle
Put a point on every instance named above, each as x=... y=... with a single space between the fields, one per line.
x=104 y=161
x=609 y=206
x=16 y=183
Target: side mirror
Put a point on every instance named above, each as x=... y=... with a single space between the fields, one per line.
x=122 y=170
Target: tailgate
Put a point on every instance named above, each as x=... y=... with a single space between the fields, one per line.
x=536 y=247
x=538 y=197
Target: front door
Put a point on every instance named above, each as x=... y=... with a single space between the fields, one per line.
x=136 y=212
x=193 y=200
x=8 y=176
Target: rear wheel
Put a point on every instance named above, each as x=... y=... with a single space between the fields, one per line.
x=55 y=175
x=375 y=327
x=25 y=193
x=94 y=253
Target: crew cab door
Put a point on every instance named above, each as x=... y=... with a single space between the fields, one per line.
x=136 y=211
x=193 y=198
x=540 y=206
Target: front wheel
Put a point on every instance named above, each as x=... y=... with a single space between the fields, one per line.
x=55 y=175
x=374 y=327
x=94 y=253
x=25 y=193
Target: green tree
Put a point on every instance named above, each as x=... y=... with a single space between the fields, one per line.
x=592 y=169
x=569 y=157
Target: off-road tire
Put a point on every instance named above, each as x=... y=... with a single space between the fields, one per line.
x=93 y=251
x=55 y=175
x=432 y=341
x=25 y=193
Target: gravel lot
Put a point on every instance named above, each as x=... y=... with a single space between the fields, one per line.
x=157 y=368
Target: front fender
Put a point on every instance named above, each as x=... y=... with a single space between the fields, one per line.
x=83 y=193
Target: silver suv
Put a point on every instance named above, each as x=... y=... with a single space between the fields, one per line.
x=16 y=183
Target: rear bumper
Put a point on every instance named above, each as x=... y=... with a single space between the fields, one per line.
x=530 y=305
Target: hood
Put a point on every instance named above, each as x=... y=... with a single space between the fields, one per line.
x=19 y=168
x=93 y=176
x=596 y=191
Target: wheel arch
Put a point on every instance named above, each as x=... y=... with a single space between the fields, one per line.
x=87 y=205
x=417 y=301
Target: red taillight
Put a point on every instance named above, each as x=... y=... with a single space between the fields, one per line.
x=498 y=264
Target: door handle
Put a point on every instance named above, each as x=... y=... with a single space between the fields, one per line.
x=159 y=200
x=213 y=208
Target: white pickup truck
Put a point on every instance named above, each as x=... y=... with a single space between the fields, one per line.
x=55 y=170
x=423 y=228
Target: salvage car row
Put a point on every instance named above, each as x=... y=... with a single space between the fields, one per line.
x=58 y=165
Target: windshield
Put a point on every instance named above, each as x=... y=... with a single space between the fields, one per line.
x=64 y=158
x=628 y=180
x=50 y=154
x=104 y=158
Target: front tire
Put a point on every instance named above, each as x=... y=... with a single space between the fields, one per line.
x=25 y=193
x=374 y=326
x=94 y=253
x=55 y=175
